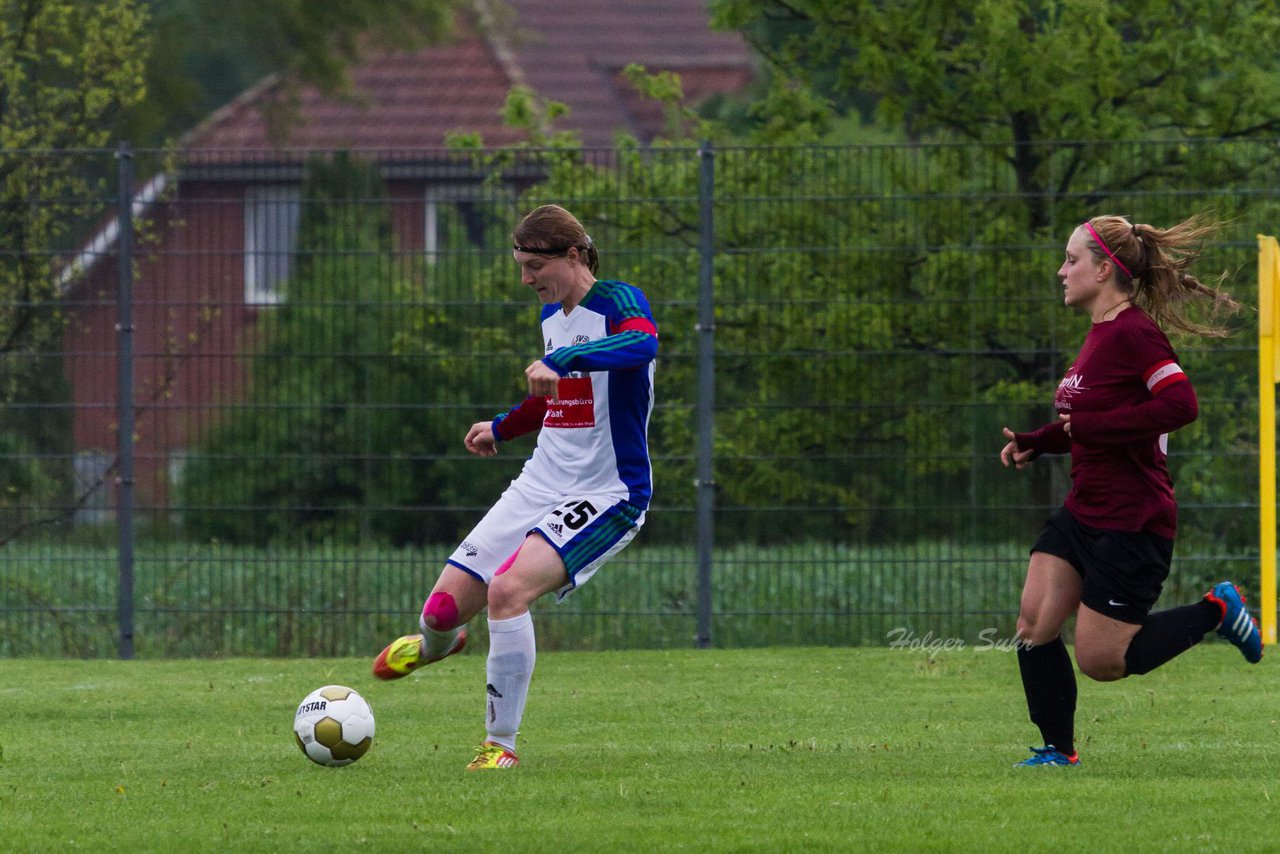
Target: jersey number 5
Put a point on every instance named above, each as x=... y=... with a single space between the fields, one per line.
x=576 y=513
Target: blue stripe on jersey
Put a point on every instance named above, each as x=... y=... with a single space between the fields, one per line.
x=630 y=402
x=624 y=299
x=627 y=357
x=622 y=350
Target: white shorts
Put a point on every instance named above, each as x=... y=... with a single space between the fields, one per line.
x=585 y=530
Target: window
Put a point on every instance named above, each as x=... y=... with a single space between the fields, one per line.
x=271 y=216
x=91 y=487
x=462 y=217
x=177 y=467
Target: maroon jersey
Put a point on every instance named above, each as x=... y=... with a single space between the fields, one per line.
x=1125 y=393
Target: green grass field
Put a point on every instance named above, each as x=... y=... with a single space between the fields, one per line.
x=811 y=749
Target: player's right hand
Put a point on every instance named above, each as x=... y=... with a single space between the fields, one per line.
x=480 y=439
x=1010 y=454
x=543 y=381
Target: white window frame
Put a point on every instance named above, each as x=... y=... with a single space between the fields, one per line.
x=177 y=466
x=431 y=221
x=272 y=215
x=437 y=194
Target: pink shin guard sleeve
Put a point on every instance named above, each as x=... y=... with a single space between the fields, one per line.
x=442 y=611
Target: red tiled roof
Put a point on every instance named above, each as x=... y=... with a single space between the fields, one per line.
x=400 y=100
x=567 y=50
x=572 y=51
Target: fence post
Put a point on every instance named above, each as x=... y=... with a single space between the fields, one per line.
x=705 y=479
x=124 y=398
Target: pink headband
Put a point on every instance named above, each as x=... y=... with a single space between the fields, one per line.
x=1106 y=250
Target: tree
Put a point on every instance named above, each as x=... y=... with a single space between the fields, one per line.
x=351 y=412
x=1074 y=107
x=1022 y=74
x=881 y=311
x=68 y=69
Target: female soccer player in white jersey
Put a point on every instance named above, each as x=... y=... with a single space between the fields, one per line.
x=1106 y=553
x=582 y=495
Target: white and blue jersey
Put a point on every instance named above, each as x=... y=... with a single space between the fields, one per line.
x=594 y=432
x=587 y=485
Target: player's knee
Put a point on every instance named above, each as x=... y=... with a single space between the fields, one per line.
x=503 y=598
x=1100 y=667
x=1033 y=633
x=507 y=598
x=440 y=613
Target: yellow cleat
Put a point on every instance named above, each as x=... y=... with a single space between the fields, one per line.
x=493 y=756
x=404 y=655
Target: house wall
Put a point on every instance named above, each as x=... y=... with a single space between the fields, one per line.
x=192 y=328
x=190 y=324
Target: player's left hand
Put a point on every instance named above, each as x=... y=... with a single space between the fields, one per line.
x=1011 y=454
x=480 y=439
x=543 y=381
x=1066 y=423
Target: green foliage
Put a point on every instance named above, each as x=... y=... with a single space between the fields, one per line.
x=1031 y=70
x=339 y=425
x=880 y=313
x=366 y=378
x=215 y=599
x=67 y=70
x=67 y=67
x=1023 y=74
x=31 y=483
x=789 y=114
x=933 y=253
x=776 y=750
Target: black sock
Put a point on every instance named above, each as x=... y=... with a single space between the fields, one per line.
x=1049 y=681
x=1170 y=633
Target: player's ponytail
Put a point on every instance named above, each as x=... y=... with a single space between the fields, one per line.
x=590 y=255
x=1152 y=267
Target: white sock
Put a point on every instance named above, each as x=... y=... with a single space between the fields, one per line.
x=509 y=669
x=436 y=644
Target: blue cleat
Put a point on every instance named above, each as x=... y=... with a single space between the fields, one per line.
x=1237 y=625
x=1049 y=755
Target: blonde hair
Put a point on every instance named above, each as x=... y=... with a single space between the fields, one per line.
x=552 y=230
x=1157 y=260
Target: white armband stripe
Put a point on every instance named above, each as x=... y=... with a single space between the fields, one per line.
x=1163 y=374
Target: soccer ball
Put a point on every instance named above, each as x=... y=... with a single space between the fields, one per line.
x=333 y=726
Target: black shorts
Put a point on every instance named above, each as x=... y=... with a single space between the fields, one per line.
x=1123 y=572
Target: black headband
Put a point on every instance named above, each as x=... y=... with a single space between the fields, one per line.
x=559 y=251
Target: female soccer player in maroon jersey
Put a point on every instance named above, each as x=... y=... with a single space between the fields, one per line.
x=1105 y=554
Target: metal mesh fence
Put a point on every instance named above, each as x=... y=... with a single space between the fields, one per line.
x=309 y=334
